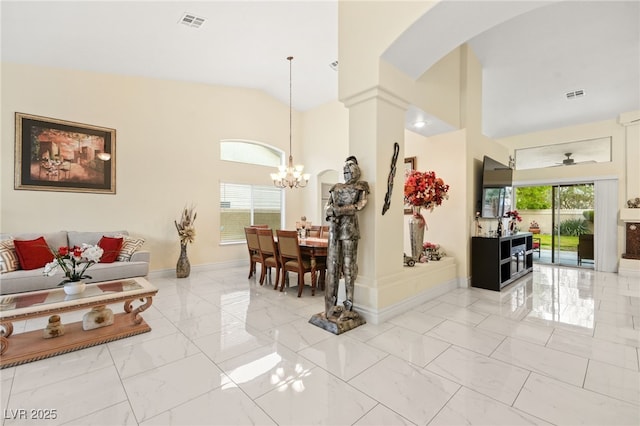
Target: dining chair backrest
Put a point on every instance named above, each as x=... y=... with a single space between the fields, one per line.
x=254 y=249
x=252 y=238
x=315 y=231
x=288 y=244
x=324 y=231
x=260 y=226
x=267 y=244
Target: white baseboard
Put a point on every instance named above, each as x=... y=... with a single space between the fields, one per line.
x=168 y=273
x=377 y=317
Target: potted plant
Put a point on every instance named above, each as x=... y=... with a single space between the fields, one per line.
x=74 y=261
x=534 y=228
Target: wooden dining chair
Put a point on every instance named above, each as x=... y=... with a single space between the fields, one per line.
x=324 y=231
x=254 y=249
x=292 y=260
x=269 y=253
x=315 y=231
x=260 y=226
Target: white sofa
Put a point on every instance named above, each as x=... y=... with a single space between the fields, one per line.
x=30 y=280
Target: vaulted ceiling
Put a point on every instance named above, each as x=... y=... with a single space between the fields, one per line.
x=542 y=51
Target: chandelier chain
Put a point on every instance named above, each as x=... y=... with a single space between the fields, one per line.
x=290 y=176
x=290 y=59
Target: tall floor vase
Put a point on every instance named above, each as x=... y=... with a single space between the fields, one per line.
x=183 y=267
x=417 y=226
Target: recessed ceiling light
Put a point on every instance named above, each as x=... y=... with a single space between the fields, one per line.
x=420 y=124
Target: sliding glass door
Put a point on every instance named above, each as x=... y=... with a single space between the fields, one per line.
x=562 y=220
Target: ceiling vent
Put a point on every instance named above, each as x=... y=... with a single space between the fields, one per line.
x=191 y=20
x=575 y=94
x=334 y=65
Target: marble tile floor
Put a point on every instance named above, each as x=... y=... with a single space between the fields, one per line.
x=559 y=347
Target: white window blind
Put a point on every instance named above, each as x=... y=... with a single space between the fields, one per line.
x=244 y=205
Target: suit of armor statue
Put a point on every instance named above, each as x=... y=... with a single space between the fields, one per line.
x=345 y=200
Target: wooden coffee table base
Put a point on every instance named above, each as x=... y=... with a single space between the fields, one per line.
x=31 y=346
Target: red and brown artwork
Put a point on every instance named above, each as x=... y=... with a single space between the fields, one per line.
x=59 y=155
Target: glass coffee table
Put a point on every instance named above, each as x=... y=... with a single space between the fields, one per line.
x=30 y=346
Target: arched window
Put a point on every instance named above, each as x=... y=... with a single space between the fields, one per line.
x=250 y=152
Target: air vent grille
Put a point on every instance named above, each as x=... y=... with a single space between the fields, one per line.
x=191 y=20
x=575 y=94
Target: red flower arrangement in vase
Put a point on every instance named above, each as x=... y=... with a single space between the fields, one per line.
x=425 y=189
x=422 y=189
x=513 y=216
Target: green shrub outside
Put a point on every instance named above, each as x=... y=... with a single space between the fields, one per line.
x=572 y=227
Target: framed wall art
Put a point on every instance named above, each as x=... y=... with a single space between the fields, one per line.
x=58 y=155
x=409 y=165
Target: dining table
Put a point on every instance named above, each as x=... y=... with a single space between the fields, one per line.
x=315 y=248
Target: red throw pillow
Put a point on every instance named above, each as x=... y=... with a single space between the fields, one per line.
x=111 y=247
x=33 y=254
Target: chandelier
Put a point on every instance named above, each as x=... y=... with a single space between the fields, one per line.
x=290 y=176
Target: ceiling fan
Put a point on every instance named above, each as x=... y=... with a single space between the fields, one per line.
x=567 y=161
x=570 y=161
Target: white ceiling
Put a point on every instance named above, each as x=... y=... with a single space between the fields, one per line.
x=241 y=43
x=529 y=62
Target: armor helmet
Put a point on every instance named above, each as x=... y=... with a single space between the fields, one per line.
x=351 y=170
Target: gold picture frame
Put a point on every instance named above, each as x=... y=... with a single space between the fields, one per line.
x=60 y=155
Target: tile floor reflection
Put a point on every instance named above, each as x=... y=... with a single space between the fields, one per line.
x=559 y=347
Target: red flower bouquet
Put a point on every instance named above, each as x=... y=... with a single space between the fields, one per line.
x=513 y=214
x=425 y=189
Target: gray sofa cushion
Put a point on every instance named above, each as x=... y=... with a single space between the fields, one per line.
x=53 y=239
x=77 y=238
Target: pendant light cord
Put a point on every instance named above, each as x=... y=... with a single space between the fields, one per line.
x=290 y=58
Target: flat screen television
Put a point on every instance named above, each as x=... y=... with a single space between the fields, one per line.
x=496 y=178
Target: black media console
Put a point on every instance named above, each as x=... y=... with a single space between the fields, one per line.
x=497 y=262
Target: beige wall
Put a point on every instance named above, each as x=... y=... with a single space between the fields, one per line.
x=448 y=224
x=376 y=25
x=167 y=154
x=438 y=89
x=326 y=139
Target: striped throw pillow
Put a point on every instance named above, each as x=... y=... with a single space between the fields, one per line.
x=129 y=246
x=8 y=257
